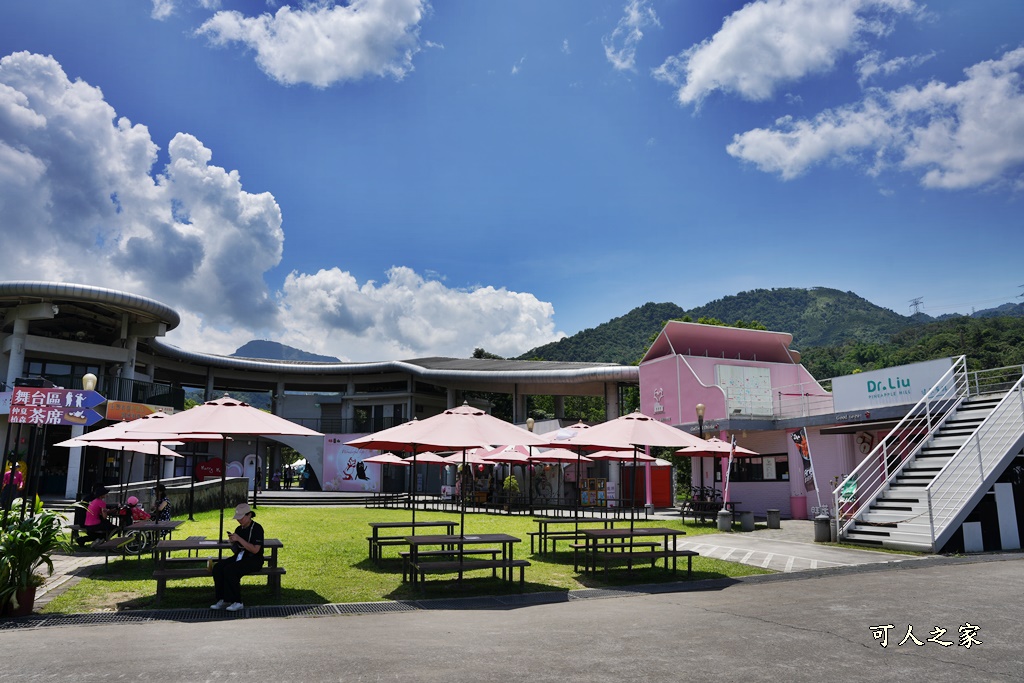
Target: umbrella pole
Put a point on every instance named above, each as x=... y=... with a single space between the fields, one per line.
x=412 y=487
x=579 y=489
x=223 y=480
x=121 y=477
x=192 y=485
x=257 y=471
x=632 y=491
x=462 y=488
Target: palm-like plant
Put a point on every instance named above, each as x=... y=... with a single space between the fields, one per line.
x=25 y=546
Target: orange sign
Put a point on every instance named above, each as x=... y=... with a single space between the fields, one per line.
x=126 y=411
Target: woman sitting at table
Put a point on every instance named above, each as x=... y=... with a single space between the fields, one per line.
x=162 y=506
x=247 y=558
x=97 y=526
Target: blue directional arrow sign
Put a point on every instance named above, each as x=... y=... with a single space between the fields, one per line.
x=67 y=399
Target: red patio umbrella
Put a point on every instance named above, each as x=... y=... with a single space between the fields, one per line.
x=228 y=417
x=715 y=447
x=456 y=429
x=631 y=432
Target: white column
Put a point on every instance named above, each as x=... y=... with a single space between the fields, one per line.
x=559 y=407
x=16 y=360
x=131 y=352
x=74 y=464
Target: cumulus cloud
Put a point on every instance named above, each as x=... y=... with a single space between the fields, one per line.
x=81 y=201
x=322 y=43
x=970 y=134
x=620 y=45
x=770 y=42
x=162 y=9
x=409 y=316
x=871 y=65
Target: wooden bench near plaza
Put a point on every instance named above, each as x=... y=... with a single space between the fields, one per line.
x=629 y=547
x=171 y=568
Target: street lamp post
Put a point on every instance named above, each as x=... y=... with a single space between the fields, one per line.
x=700 y=408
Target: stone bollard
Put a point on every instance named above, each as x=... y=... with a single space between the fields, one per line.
x=724 y=520
x=747 y=520
x=774 y=519
x=822 y=532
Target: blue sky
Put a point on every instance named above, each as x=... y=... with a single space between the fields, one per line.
x=397 y=179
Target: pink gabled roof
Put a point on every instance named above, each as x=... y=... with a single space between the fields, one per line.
x=694 y=339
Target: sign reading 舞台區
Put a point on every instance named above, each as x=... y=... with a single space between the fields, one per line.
x=39 y=397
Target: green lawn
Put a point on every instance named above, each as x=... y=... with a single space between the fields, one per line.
x=325 y=555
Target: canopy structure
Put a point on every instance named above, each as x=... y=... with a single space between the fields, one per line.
x=456 y=429
x=227 y=417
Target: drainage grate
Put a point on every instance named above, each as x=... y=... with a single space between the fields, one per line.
x=460 y=603
x=593 y=593
x=373 y=607
x=291 y=611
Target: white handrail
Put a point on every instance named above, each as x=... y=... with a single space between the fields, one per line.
x=962 y=477
x=862 y=487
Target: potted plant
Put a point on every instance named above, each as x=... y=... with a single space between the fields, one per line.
x=25 y=546
x=511 y=488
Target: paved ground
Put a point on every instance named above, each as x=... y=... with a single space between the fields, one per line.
x=798 y=627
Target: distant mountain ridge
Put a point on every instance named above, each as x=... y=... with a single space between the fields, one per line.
x=271 y=350
x=816 y=317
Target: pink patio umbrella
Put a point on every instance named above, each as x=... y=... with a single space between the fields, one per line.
x=133 y=447
x=559 y=456
x=460 y=428
x=717 y=448
x=631 y=432
x=228 y=417
x=387 y=459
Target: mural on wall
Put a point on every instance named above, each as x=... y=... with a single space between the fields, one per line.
x=344 y=469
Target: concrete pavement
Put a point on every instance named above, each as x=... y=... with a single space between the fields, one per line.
x=796 y=627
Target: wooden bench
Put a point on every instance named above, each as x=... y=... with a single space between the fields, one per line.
x=460 y=567
x=609 y=545
x=553 y=536
x=382 y=541
x=701 y=508
x=162 y=576
x=493 y=552
x=610 y=557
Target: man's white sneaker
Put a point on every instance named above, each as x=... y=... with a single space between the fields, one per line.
x=235 y=606
x=220 y=604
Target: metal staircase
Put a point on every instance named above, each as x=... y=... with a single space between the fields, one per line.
x=918 y=485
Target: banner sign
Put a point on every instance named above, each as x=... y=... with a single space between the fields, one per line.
x=344 y=469
x=209 y=469
x=125 y=411
x=901 y=385
x=55 y=398
x=39 y=415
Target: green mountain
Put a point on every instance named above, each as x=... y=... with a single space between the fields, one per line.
x=815 y=317
x=620 y=340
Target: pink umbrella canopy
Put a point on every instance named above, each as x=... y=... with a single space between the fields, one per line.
x=144 y=447
x=558 y=455
x=714 y=447
x=454 y=429
x=514 y=455
x=227 y=416
x=472 y=457
x=628 y=432
x=388 y=459
x=620 y=455
x=427 y=458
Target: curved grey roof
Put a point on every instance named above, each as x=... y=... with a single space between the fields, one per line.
x=427 y=368
x=59 y=291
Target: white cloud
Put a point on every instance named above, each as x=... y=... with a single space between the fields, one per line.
x=565 y=46
x=162 y=9
x=620 y=45
x=323 y=44
x=517 y=65
x=960 y=136
x=80 y=201
x=410 y=316
x=769 y=42
x=871 y=65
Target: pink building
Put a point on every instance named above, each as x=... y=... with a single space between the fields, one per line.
x=753 y=387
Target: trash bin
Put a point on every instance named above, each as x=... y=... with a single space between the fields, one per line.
x=822 y=532
x=724 y=520
x=747 y=520
x=774 y=519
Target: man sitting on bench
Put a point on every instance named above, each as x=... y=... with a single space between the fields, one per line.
x=246 y=558
x=97 y=525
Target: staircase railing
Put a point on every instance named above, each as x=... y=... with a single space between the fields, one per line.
x=861 y=488
x=966 y=474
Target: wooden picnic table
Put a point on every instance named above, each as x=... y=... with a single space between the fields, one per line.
x=452 y=558
x=616 y=546
x=169 y=568
x=377 y=541
x=544 y=533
